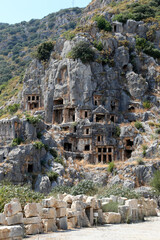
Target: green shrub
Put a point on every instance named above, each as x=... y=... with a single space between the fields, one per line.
x=157 y=131
x=98 y=45
x=44 y=51
x=9 y=191
x=103 y=24
x=69 y=35
x=16 y=142
x=139 y=125
x=84 y=187
x=147 y=104
x=120 y=191
x=61 y=189
x=147 y=47
x=38 y=145
x=60 y=160
x=136 y=12
x=144 y=147
x=39 y=135
x=110 y=207
x=111 y=167
x=33 y=120
x=155 y=183
x=52 y=176
x=53 y=152
x=83 y=51
x=13 y=108
x=118 y=131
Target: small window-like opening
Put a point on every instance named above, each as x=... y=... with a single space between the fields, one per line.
x=104 y=150
x=112 y=119
x=29 y=98
x=100 y=118
x=99 y=150
x=73 y=118
x=95 y=103
x=33 y=97
x=30 y=168
x=99 y=138
x=113 y=106
x=75 y=129
x=109 y=149
x=99 y=158
x=129 y=143
x=87 y=147
x=58 y=102
x=86 y=114
x=87 y=130
x=125 y=67
x=110 y=158
x=68 y=147
x=128 y=153
x=104 y=159
x=37 y=97
x=115 y=28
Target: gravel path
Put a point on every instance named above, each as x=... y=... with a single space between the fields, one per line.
x=148 y=230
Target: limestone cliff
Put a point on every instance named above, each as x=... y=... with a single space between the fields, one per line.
x=102 y=110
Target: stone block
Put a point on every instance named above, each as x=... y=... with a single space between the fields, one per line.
x=12 y=208
x=62 y=223
x=60 y=204
x=32 y=229
x=72 y=222
x=70 y=213
x=49 y=225
x=15 y=219
x=78 y=206
x=112 y=217
x=114 y=198
x=121 y=200
x=68 y=199
x=48 y=213
x=11 y=232
x=32 y=220
x=100 y=216
x=134 y=215
x=132 y=203
x=32 y=210
x=124 y=212
x=49 y=202
x=61 y=212
x=2 y=219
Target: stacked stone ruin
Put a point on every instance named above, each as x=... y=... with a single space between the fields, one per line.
x=69 y=212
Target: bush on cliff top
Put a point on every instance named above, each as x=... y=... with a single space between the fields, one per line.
x=83 y=51
x=44 y=51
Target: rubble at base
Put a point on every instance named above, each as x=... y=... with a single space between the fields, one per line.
x=70 y=212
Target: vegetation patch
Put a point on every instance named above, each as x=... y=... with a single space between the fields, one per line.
x=38 y=145
x=52 y=176
x=111 y=167
x=83 y=51
x=103 y=24
x=9 y=191
x=110 y=207
x=155 y=183
x=84 y=187
x=44 y=51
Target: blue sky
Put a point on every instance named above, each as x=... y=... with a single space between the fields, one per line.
x=15 y=11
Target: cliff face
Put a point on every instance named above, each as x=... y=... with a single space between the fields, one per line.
x=102 y=110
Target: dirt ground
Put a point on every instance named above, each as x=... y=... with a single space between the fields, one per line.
x=148 y=230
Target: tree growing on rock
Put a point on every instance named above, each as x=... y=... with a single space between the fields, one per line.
x=83 y=51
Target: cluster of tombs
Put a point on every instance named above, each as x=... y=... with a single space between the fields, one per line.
x=91 y=133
